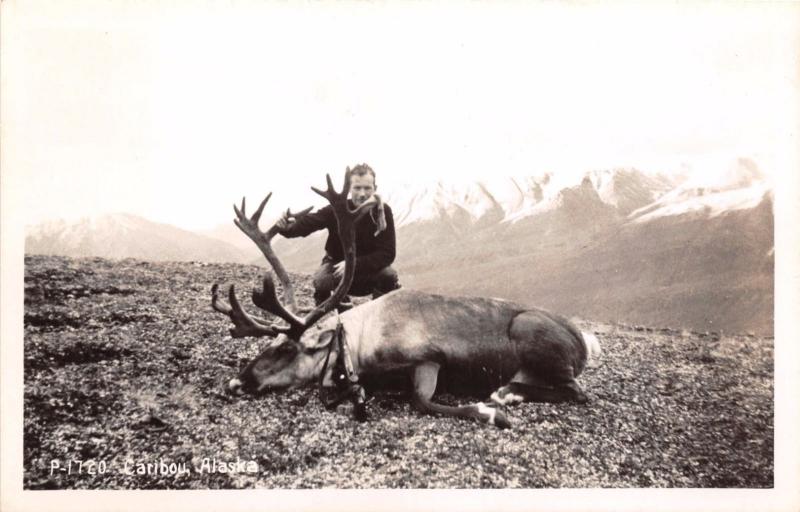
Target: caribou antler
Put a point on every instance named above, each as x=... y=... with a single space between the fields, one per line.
x=346 y=219
x=264 y=242
x=267 y=298
x=245 y=324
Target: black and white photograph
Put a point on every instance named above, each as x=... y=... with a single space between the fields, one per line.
x=392 y=255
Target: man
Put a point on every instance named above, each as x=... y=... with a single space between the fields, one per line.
x=375 y=251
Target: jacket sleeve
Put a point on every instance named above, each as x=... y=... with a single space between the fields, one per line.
x=385 y=248
x=310 y=223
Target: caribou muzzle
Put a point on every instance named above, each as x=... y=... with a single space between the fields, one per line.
x=235 y=387
x=241 y=385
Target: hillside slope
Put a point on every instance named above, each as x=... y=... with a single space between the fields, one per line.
x=684 y=271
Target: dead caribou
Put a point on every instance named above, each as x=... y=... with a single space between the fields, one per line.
x=531 y=354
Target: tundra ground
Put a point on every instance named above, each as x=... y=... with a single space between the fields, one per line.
x=125 y=364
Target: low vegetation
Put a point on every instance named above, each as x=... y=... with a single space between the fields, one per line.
x=125 y=365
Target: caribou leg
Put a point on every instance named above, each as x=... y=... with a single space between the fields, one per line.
x=425 y=378
x=516 y=392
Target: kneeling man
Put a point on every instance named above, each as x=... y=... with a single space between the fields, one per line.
x=375 y=250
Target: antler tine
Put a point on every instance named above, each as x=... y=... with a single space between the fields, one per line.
x=216 y=304
x=240 y=210
x=267 y=299
x=245 y=325
x=330 y=194
x=299 y=214
x=257 y=215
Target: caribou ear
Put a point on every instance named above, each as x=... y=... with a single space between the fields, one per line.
x=323 y=340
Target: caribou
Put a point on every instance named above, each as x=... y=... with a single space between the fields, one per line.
x=519 y=353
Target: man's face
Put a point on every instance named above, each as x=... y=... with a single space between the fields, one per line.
x=361 y=188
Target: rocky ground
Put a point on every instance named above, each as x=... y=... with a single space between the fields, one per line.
x=125 y=364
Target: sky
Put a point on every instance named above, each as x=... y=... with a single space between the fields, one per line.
x=176 y=112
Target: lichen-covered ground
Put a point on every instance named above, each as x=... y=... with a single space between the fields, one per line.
x=125 y=364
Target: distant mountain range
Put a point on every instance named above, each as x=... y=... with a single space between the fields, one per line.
x=692 y=251
x=619 y=245
x=122 y=235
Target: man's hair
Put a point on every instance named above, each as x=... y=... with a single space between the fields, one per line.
x=362 y=170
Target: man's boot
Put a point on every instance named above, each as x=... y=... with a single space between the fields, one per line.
x=378 y=293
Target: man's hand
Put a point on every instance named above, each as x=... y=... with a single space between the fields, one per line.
x=284 y=222
x=338 y=270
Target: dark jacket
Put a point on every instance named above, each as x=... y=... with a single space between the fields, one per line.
x=372 y=252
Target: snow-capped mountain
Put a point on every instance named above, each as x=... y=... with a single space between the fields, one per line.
x=511 y=199
x=123 y=235
x=430 y=201
x=738 y=186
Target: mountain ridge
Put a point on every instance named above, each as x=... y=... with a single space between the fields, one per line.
x=123 y=235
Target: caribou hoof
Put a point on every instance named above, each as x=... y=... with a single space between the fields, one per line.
x=493 y=416
x=501 y=421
